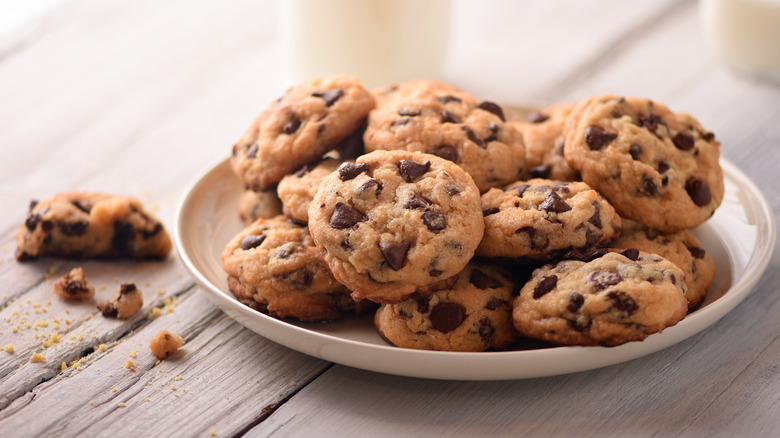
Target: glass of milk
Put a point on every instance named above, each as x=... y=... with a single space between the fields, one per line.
x=746 y=33
x=380 y=41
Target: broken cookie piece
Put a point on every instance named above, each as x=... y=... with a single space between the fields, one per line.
x=74 y=286
x=127 y=300
x=91 y=225
x=165 y=344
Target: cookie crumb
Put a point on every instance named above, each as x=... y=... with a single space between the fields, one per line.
x=292 y=383
x=74 y=286
x=165 y=344
x=130 y=365
x=37 y=357
x=133 y=353
x=127 y=300
x=9 y=348
x=121 y=405
x=213 y=432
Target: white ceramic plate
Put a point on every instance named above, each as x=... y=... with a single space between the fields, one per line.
x=740 y=238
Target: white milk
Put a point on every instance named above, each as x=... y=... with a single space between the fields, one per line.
x=746 y=33
x=380 y=41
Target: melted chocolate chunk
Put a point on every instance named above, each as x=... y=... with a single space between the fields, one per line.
x=123 y=238
x=495 y=303
x=126 y=288
x=411 y=170
x=591 y=238
x=576 y=300
x=447 y=316
x=370 y=183
x=286 y=250
x=537 y=117
x=291 y=126
x=651 y=122
x=604 y=279
x=345 y=216
x=554 y=203
x=520 y=188
x=74 y=229
x=581 y=324
x=32 y=221
x=707 y=136
x=595 y=220
x=395 y=253
x=492 y=108
x=33 y=204
x=348 y=171
x=435 y=273
x=473 y=137
x=416 y=202
x=597 y=138
x=435 y=221
x=448 y=99
x=623 y=302
x=400 y=122
x=683 y=141
x=542 y=171
x=484 y=281
x=485 y=330
x=448 y=117
x=446 y=152
x=330 y=96
x=423 y=303
x=648 y=187
x=83 y=207
x=635 y=151
x=251 y=241
x=695 y=251
x=631 y=254
x=699 y=191
x=490 y=210
x=663 y=166
x=545 y=285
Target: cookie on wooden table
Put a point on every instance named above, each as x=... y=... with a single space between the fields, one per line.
x=654 y=166
x=91 y=225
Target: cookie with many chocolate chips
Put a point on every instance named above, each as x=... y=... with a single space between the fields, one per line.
x=474 y=313
x=299 y=128
x=543 y=219
x=274 y=267
x=439 y=119
x=297 y=190
x=394 y=222
x=91 y=225
x=655 y=166
x=681 y=248
x=613 y=299
x=543 y=138
x=255 y=205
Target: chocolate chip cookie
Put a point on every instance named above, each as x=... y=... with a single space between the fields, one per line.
x=543 y=219
x=91 y=225
x=297 y=190
x=681 y=248
x=543 y=137
x=613 y=299
x=474 y=313
x=274 y=267
x=299 y=128
x=655 y=166
x=436 y=118
x=396 y=221
x=254 y=205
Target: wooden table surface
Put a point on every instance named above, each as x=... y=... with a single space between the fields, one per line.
x=140 y=97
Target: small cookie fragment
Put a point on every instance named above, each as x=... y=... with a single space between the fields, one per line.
x=165 y=343
x=74 y=286
x=127 y=300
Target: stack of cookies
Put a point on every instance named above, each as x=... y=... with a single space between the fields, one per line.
x=465 y=231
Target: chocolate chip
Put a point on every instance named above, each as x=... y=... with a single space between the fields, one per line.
x=32 y=221
x=707 y=136
x=473 y=137
x=592 y=238
x=530 y=231
x=492 y=108
x=435 y=221
x=107 y=309
x=520 y=188
x=345 y=216
x=252 y=152
x=435 y=273
x=124 y=235
x=596 y=138
x=348 y=171
x=537 y=117
x=46 y=225
x=447 y=316
x=126 y=287
x=698 y=190
x=581 y=324
x=408 y=112
x=495 y=303
x=411 y=170
x=595 y=220
x=631 y=254
x=330 y=96
x=83 y=207
x=321 y=129
x=448 y=117
x=291 y=126
x=651 y=122
x=554 y=203
x=299 y=279
x=399 y=122
x=542 y=171
x=485 y=330
x=370 y=183
x=484 y=281
x=251 y=241
x=545 y=284
x=604 y=279
x=395 y=253
x=623 y=302
x=576 y=300
x=663 y=166
x=490 y=210
x=33 y=204
x=74 y=229
x=695 y=251
x=416 y=202
x=446 y=152
x=683 y=141
x=286 y=250
x=635 y=150
x=648 y=188
x=448 y=99
x=423 y=304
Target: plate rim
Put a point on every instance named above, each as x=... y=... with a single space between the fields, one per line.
x=381 y=356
